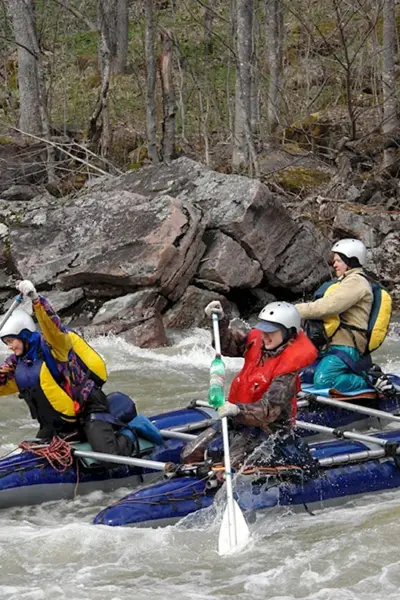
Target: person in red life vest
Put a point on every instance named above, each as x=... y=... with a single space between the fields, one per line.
x=45 y=371
x=262 y=397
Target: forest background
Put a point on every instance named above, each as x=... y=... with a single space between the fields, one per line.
x=226 y=82
x=300 y=94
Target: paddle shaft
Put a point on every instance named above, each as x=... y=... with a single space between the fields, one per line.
x=227 y=455
x=10 y=311
x=371 y=412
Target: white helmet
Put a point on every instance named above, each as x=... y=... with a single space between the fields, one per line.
x=16 y=323
x=351 y=248
x=279 y=313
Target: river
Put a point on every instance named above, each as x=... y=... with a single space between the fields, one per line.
x=53 y=552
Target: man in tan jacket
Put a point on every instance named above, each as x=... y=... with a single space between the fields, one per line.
x=351 y=301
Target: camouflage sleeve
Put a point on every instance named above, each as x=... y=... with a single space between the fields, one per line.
x=7 y=376
x=233 y=337
x=274 y=406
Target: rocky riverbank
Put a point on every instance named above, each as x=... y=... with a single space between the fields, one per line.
x=146 y=251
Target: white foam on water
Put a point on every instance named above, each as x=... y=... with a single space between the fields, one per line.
x=192 y=349
x=53 y=550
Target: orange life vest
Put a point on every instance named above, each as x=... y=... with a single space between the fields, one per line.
x=257 y=373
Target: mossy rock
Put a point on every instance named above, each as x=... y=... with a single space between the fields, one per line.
x=294 y=148
x=138 y=158
x=5 y=141
x=300 y=180
x=309 y=132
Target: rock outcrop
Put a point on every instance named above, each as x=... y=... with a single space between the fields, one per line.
x=135 y=254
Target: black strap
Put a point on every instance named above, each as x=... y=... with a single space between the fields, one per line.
x=359 y=367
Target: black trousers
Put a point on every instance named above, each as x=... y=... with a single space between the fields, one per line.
x=101 y=435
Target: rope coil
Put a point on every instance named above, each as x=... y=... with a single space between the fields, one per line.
x=58 y=452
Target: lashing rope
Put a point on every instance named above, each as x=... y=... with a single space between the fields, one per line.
x=274 y=471
x=168 y=498
x=58 y=452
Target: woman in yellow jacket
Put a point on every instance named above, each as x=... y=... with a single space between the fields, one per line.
x=47 y=374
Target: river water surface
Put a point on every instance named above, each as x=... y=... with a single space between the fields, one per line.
x=53 y=552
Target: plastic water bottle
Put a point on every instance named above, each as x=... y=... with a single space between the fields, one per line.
x=216 y=394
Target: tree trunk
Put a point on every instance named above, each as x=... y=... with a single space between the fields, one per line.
x=168 y=94
x=389 y=56
x=151 y=76
x=33 y=98
x=122 y=36
x=208 y=23
x=275 y=32
x=108 y=26
x=22 y=13
x=101 y=134
x=243 y=146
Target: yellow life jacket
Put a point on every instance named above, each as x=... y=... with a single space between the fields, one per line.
x=89 y=359
x=379 y=318
x=48 y=401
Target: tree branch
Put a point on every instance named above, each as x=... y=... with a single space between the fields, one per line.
x=74 y=11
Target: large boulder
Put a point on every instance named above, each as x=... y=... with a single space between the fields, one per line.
x=188 y=312
x=292 y=255
x=117 y=308
x=63 y=300
x=143 y=328
x=118 y=239
x=226 y=264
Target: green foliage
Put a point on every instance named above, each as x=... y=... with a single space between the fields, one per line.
x=299 y=179
x=314 y=78
x=83 y=42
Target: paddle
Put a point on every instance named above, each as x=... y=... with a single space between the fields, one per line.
x=10 y=311
x=234 y=533
x=363 y=410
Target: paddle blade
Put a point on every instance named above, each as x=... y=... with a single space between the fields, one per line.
x=235 y=538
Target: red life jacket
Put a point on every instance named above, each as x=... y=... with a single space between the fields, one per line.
x=257 y=373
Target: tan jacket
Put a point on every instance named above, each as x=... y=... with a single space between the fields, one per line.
x=352 y=301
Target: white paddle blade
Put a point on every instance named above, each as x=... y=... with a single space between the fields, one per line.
x=233 y=537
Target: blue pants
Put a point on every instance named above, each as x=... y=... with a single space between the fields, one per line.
x=332 y=372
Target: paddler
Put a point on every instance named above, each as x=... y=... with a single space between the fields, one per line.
x=262 y=397
x=62 y=394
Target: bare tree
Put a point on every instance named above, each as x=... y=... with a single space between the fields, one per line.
x=353 y=40
x=274 y=43
x=22 y=15
x=389 y=55
x=168 y=94
x=122 y=36
x=151 y=76
x=208 y=23
x=32 y=89
x=107 y=15
x=101 y=133
x=244 y=154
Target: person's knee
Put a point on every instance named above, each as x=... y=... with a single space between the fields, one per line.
x=323 y=380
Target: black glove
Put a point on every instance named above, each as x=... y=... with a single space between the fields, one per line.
x=381 y=382
x=384 y=386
